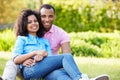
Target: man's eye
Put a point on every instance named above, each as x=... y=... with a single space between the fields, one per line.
x=51 y=16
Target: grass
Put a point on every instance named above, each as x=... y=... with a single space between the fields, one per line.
x=89 y=65
x=97 y=66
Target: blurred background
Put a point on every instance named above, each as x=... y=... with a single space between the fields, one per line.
x=72 y=15
x=93 y=25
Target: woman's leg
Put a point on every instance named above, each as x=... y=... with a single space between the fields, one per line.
x=70 y=67
x=59 y=74
x=43 y=67
x=52 y=63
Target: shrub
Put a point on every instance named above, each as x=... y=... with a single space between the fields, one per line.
x=7 y=40
x=85 y=49
x=82 y=43
x=95 y=44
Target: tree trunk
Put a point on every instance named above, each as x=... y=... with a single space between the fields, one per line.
x=40 y=2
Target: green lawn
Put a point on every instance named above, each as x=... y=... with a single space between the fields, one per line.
x=91 y=66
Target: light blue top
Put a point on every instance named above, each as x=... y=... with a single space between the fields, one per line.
x=26 y=44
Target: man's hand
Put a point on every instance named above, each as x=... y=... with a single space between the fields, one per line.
x=29 y=62
x=38 y=57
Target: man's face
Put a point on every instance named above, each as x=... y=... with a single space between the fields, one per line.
x=47 y=18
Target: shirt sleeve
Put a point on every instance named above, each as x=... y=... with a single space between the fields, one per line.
x=18 y=49
x=64 y=37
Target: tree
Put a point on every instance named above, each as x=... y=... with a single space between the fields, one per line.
x=9 y=9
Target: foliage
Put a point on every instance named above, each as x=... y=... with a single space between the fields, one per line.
x=9 y=9
x=72 y=15
x=7 y=40
x=82 y=43
x=95 y=44
x=85 y=15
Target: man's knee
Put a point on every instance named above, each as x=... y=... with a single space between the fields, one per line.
x=10 y=62
x=10 y=70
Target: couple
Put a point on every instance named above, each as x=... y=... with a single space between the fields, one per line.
x=33 y=53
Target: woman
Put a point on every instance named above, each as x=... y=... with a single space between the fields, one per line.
x=30 y=45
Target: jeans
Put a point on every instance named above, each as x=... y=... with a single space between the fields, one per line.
x=51 y=63
x=59 y=74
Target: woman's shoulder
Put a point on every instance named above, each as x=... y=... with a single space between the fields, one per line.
x=21 y=37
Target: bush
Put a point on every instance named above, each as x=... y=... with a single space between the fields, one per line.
x=85 y=49
x=82 y=43
x=95 y=44
x=7 y=40
x=85 y=15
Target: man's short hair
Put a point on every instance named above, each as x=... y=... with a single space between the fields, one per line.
x=47 y=6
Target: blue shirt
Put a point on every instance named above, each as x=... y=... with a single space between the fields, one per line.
x=26 y=44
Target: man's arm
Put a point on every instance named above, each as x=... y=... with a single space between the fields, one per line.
x=65 y=47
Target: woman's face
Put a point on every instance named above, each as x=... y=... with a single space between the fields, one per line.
x=32 y=25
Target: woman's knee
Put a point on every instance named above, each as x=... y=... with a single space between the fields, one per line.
x=68 y=56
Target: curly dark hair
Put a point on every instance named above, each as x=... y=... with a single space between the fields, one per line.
x=20 y=26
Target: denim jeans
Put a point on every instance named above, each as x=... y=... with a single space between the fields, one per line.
x=51 y=63
x=59 y=74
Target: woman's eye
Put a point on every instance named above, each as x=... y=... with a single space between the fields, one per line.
x=29 y=22
x=35 y=21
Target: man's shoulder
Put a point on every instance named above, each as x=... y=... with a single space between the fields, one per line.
x=58 y=29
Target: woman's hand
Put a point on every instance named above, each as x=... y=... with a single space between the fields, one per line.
x=41 y=52
x=29 y=62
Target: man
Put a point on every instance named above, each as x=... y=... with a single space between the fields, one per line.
x=58 y=39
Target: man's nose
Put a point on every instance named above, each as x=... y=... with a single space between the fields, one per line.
x=47 y=18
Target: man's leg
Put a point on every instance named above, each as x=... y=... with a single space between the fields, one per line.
x=10 y=71
x=59 y=74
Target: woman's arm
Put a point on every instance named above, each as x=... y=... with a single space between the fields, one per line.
x=18 y=52
x=21 y=58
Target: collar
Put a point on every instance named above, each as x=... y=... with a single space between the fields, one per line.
x=51 y=29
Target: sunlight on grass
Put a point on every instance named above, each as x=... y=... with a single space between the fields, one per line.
x=97 y=66
x=4 y=56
